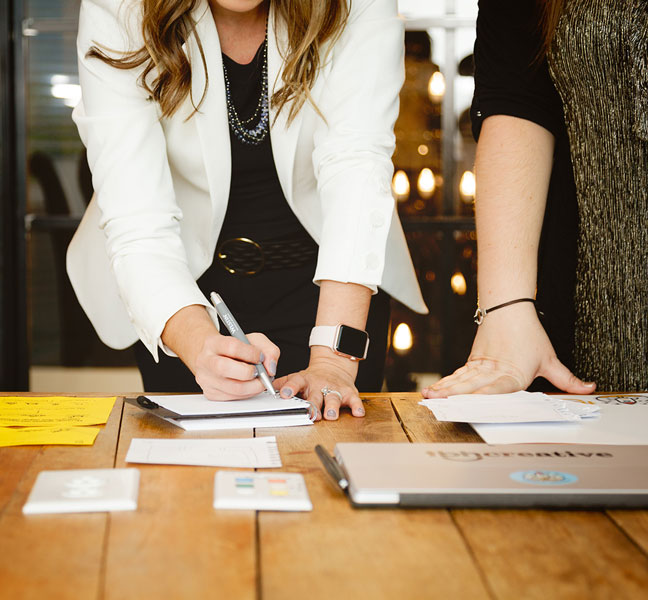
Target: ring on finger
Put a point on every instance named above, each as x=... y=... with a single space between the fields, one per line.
x=326 y=390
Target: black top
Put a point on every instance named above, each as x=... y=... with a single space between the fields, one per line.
x=257 y=207
x=510 y=80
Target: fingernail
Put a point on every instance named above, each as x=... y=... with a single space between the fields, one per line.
x=589 y=383
x=273 y=368
x=330 y=413
x=360 y=412
x=287 y=392
x=262 y=357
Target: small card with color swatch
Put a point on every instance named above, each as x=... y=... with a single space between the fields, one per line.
x=247 y=490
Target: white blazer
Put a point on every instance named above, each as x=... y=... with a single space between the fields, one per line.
x=162 y=184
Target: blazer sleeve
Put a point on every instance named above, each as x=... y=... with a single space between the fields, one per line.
x=509 y=77
x=354 y=144
x=126 y=146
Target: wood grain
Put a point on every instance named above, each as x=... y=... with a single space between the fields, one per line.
x=634 y=523
x=341 y=552
x=541 y=554
x=176 y=545
x=421 y=426
x=58 y=556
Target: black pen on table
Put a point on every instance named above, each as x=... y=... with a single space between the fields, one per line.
x=235 y=330
x=332 y=467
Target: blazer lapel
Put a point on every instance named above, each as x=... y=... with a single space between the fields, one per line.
x=282 y=137
x=211 y=117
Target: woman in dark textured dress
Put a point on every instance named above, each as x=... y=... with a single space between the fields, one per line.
x=562 y=175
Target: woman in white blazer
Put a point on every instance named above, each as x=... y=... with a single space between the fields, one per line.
x=166 y=119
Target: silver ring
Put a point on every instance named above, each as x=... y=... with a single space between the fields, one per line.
x=326 y=390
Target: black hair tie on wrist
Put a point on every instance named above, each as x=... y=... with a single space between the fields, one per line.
x=481 y=313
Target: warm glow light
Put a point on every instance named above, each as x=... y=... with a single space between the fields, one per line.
x=401 y=186
x=458 y=283
x=436 y=86
x=70 y=93
x=402 y=338
x=423 y=150
x=467 y=186
x=425 y=183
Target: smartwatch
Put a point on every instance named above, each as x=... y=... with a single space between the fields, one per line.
x=342 y=339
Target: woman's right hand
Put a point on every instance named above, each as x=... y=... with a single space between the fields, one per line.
x=225 y=367
x=510 y=350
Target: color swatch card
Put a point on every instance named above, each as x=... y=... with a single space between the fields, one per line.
x=83 y=490
x=238 y=453
x=261 y=491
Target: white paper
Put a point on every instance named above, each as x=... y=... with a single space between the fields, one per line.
x=518 y=407
x=197 y=404
x=258 y=421
x=240 y=453
x=616 y=424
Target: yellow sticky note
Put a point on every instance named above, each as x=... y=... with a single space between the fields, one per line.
x=51 y=411
x=35 y=436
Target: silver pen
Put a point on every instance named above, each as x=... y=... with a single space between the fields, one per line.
x=235 y=330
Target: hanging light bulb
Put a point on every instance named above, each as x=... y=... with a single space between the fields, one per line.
x=425 y=183
x=436 y=86
x=467 y=186
x=458 y=283
x=402 y=341
x=401 y=186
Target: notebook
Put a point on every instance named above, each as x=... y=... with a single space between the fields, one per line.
x=482 y=475
x=194 y=412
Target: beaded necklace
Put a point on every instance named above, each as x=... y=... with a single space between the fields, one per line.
x=242 y=127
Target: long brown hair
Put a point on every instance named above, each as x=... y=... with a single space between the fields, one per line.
x=167 y=24
x=550 y=11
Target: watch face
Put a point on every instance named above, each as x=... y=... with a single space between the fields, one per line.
x=352 y=342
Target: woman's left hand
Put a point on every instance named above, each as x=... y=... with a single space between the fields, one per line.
x=335 y=374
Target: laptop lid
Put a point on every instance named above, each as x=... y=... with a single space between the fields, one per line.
x=482 y=475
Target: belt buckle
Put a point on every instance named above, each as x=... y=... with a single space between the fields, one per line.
x=227 y=250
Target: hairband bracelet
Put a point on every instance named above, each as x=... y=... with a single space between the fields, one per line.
x=481 y=313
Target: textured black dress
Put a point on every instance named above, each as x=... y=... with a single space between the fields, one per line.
x=591 y=94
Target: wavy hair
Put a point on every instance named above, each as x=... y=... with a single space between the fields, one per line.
x=550 y=11
x=167 y=24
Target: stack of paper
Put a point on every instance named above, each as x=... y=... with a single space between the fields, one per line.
x=194 y=412
x=521 y=417
x=519 y=407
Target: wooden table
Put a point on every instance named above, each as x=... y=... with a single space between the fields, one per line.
x=175 y=545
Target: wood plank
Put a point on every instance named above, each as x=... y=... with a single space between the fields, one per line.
x=421 y=425
x=58 y=556
x=559 y=555
x=337 y=551
x=541 y=554
x=176 y=545
x=634 y=523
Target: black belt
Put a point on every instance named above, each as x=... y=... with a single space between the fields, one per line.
x=243 y=256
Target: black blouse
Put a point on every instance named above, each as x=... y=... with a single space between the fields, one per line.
x=510 y=80
x=257 y=207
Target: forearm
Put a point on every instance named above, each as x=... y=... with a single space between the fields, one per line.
x=512 y=168
x=346 y=303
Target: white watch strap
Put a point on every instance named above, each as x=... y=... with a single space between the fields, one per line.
x=323 y=335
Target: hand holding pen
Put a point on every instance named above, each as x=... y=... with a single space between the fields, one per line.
x=238 y=338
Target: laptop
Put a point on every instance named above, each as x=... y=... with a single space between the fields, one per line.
x=495 y=476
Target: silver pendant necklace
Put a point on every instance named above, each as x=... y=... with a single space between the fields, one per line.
x=242 y=127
